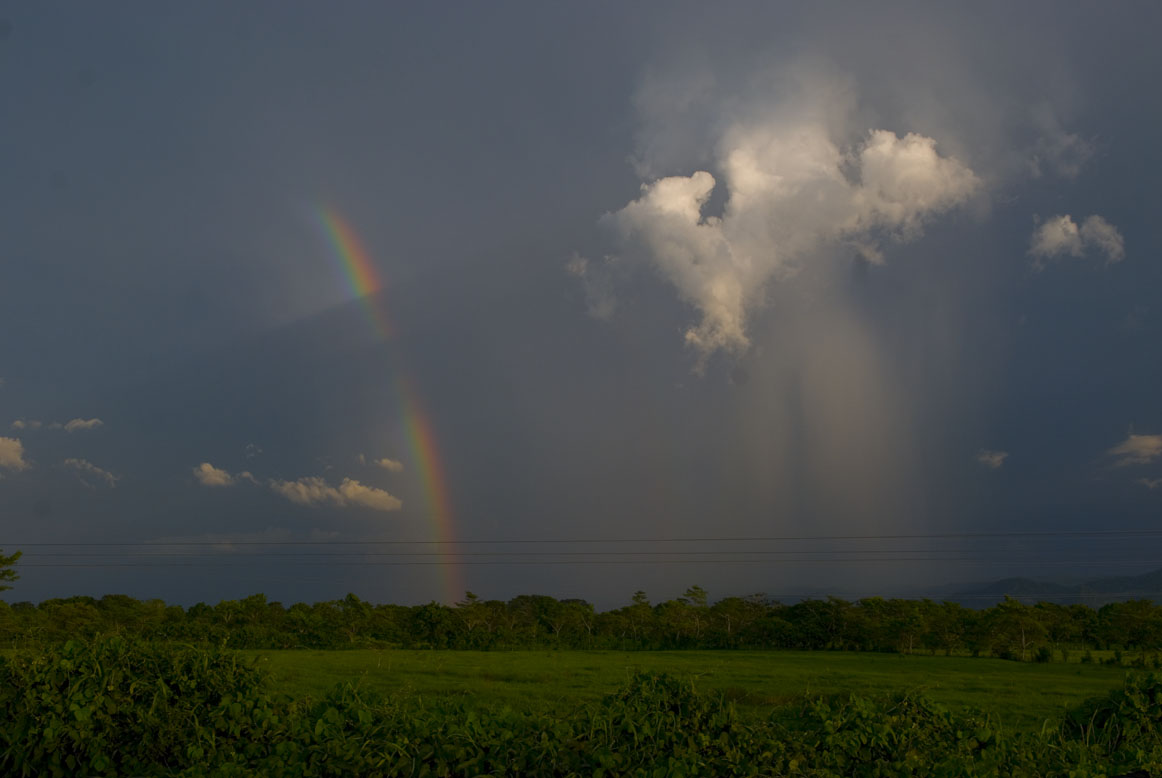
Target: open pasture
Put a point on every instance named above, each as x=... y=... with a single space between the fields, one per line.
x=1020 y=695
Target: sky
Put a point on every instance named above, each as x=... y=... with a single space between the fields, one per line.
x=577 y=299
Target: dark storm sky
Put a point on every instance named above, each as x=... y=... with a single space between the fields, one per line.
x=656 y=270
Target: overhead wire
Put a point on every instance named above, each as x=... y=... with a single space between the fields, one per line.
x=225 y=540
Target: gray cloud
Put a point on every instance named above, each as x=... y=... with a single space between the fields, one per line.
x=227 y=541
x=73 y=425
x=1060 y=236
x=1057 y=151
x=600 y=298
x=992 y=459
x=87 y=468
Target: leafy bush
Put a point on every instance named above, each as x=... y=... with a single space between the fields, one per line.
x=117 y=705
x=1130 y=715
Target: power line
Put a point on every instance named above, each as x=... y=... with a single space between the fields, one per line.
x=549 y=541
x=227 y=561
x=357 y=553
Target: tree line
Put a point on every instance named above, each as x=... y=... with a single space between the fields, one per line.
x=1009 y=629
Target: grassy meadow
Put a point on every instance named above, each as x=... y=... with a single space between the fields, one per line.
x=1021 y=695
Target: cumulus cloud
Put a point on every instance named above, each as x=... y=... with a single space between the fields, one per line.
x=1136 y=450
x=791 y=187
x=1060 y=236
x=26 y=424
x=315 y=491
x=1055 y=236
x=992 y=459
x=208 y=475
x=12 y=454
x=87 y=468
x=73 y=425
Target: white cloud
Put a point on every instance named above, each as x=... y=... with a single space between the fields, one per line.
x=208 y=475
x=88 y=468
x=1055 y=236
x=12 y=454
x=26 y=424
x=1061 y=236
x=1151 y=484
x=1137 y=450
x=1098 y=233
x=315 y=491
x=791 y=190
x=82 y=424
x=992 y=459
x=394 y=465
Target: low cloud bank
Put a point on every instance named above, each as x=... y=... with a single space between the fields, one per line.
x=350 y=493
x=311 y=490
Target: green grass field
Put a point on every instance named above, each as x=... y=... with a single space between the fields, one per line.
x=1021 y=696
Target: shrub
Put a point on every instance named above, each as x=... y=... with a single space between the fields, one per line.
x=117 y=705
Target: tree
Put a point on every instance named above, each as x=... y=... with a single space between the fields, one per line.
x=6 y=571
x=696 y=598
x=1013 y=625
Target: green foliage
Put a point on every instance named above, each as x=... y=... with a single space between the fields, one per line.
x=6 y=571
x=1010 y=629
x=82 y=708
x=117 y=707
x=123 y=707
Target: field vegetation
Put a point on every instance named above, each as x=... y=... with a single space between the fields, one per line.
x=745 y=686
x=1019 y=696
x=119 y=706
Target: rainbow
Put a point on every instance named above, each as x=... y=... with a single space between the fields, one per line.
x=365 y=284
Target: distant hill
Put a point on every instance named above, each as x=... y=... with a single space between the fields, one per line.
x=1094 y=592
